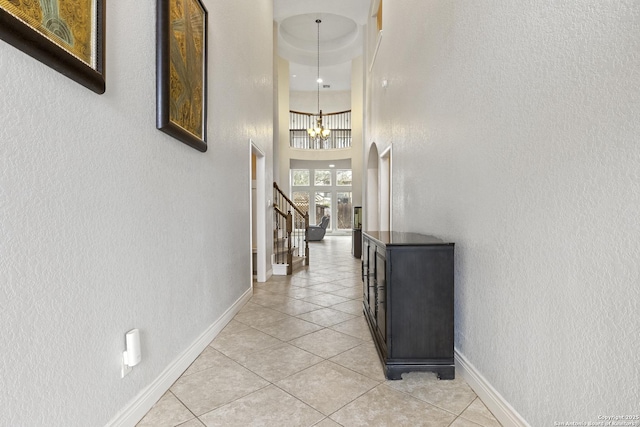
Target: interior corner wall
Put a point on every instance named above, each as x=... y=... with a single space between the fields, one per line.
x=277 y=126
x=357 y=123
x=282 y=178
x=109 y=224
x=515 y=135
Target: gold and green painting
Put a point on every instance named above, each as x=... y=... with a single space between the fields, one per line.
x=182 y=67
x=67 y=35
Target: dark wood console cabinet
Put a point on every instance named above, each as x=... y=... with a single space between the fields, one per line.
x=408 y=301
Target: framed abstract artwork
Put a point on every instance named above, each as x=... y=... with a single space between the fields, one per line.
x=66 y=35
x=181 y=71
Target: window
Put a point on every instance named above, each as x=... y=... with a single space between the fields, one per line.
x=343 y=177
x=301 y=200
x=323 y=177
x=300 y=177
x=324 y=191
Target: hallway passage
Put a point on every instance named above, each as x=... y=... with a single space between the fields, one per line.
x=300 y=354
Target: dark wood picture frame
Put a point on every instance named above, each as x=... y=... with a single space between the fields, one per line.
x=181 y=71
x=49 y=49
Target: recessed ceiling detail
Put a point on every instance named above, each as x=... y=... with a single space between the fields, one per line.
x=338 y=32
x=341 y=39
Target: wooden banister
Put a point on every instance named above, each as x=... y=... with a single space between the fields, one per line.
x=279 y=212
x=291 y=229
x=323 y=114
x=284 y=196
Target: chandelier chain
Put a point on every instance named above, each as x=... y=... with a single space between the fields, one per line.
x=318 y=21
x=318 y=133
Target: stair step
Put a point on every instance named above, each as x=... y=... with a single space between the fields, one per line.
x=281 y=269
x=279 y=250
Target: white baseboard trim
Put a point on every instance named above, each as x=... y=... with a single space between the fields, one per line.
x=493 y=400
x=145 y=400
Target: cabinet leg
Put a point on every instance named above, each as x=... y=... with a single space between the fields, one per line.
x=393 y=374
x=448 y=373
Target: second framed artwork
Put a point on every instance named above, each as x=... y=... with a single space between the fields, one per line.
x=181 y=71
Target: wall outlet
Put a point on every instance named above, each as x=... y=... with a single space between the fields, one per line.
x=132 y=355
x=125 y=368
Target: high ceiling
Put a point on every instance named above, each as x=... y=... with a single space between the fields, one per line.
x=341 y=40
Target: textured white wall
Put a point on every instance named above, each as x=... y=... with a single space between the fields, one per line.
x=108 y=224
x=515 y=131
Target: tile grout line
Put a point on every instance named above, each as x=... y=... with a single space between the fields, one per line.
x=351 y=282
x=183 y=404
x=435 y=405
x=460 y=416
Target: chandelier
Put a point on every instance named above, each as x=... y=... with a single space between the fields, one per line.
x=319 y=132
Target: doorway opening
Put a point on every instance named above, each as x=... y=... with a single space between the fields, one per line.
x=258 y=204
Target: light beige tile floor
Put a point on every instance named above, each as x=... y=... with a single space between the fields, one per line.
x=300 y=354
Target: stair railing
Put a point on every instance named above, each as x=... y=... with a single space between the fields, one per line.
x=339 y=123
x=290 y=230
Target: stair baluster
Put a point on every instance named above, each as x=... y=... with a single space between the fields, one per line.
x=290 y=231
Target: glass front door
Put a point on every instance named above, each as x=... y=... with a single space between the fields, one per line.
x=323 y=206
x=344 y=210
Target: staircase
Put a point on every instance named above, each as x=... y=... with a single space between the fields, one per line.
x=290 y=228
